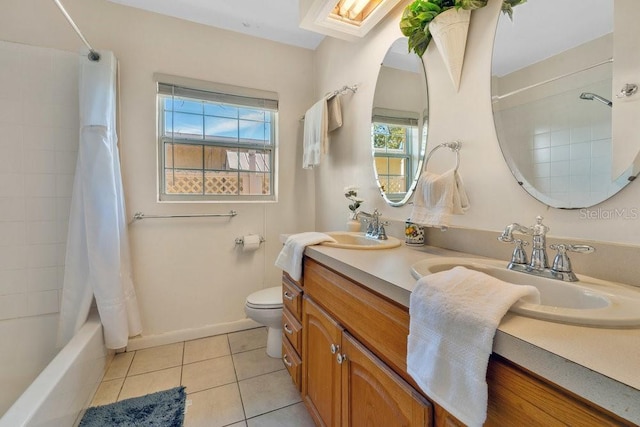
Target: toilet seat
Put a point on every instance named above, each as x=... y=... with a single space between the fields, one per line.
x=266 y=299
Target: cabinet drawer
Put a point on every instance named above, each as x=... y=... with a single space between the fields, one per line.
x=292 y=362
x=292 y=298
x=298 y=283
x=292 y=329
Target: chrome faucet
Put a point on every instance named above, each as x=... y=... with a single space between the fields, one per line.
x=375 y=229
x=539 y=264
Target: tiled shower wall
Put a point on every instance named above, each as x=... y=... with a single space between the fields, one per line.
x=562 y=144
x=38 y=150
x=38 y=144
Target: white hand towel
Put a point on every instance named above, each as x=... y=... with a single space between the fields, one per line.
x=453 y=318
x=316 y=140
x=290 y=257
x=334 y=112
x=437 y=197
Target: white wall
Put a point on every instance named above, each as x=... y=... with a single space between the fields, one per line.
x=496 y=199
x=188 y=273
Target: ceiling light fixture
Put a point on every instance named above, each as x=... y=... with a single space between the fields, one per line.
x=344 y=19
x=355 y=11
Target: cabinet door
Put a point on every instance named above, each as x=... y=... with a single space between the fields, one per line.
x=321 y=377
x=374 y=395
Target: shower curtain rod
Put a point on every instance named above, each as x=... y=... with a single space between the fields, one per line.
x=93 y=55
x=552 y=79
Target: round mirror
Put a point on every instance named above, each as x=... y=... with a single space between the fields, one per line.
x=399 y=123
x=555 y=107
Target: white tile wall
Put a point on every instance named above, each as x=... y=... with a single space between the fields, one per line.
x=569 y=152
x=38 y=151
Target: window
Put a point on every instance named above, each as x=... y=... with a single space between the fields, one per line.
x=392 y=141
x=215 y=146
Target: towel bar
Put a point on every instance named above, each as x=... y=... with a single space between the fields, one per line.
x=453 y=146
x=139 y=215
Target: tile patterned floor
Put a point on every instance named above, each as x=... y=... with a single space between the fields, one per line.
x=229 y=379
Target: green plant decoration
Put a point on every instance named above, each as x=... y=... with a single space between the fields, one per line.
x=416 y=17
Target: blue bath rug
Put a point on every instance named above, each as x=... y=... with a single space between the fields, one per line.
x=161 y=409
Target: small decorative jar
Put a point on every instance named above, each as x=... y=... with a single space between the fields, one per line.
x=353 y=224
x=413 y=234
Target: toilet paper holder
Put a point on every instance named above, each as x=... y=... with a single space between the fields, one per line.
x=240 y=240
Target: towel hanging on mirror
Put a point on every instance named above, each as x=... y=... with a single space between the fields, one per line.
x=437 y=197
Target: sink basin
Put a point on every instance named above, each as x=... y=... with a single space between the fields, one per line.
x=589 y=301
x=355 y=240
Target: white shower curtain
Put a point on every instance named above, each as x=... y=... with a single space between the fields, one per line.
x=98 y=260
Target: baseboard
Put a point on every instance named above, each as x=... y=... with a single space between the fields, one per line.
x=146 y=341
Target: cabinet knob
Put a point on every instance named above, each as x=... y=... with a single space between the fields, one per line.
x=287 y=329
x=287 y=295
x=341 y=358
x=334 y=348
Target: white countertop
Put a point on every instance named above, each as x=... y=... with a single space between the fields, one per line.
x=601 y=365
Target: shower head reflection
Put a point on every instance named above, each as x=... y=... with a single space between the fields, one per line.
x=592 y=96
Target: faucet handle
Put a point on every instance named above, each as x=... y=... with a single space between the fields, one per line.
x=561 y=262
x=519 y=256
x=382 y=233
x=370 y=228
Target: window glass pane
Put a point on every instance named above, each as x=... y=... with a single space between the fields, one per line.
x=215 y=157
x=380 y=136
x=183 y=182
x=168 y=124
x=249 y=160
x=167 y=103
x=251 y=114
x=389 y=138
x=253 y=132
x=187 y=125
x=397 y=184
x=396 y=166
x=254 y=184
x=222 y=183
x=220 y=110
x=186 y=156
x=382 y=165
x=384 y=182
x=221 y=127
x=187 y=106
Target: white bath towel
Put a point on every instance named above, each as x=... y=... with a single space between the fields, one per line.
x=437 y=197
x=290 y=257
x=454 y=315
x=316 y=140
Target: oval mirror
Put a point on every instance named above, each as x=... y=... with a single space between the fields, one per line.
x=399 y=123
x=559 y=122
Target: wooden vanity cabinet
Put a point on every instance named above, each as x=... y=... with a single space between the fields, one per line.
x=344 y=384
x=292 y=327
x=354 y=345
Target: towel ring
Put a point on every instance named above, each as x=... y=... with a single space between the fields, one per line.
x=453 y=146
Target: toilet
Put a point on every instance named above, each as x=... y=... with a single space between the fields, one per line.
x=265 y=307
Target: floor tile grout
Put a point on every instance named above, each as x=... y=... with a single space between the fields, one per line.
x=242 y=343
x=235 y=371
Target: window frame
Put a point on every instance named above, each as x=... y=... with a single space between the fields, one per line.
x=411 y=126
x=223 y=95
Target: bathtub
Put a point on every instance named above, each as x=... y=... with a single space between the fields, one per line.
x=63 y=390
